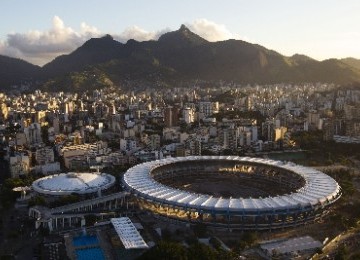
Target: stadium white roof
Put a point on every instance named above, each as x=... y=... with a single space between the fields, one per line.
x=319 y=188
x=64 y=184
x=128 y=234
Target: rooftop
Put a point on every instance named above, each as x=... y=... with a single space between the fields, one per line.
x=128 y=234
x=67 y=183
x=319 y=189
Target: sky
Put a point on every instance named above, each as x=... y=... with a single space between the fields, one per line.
x=40 y=30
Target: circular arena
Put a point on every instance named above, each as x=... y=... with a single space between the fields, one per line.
x=233 y=192
x=68 y=183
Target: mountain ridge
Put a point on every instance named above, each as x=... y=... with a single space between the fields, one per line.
x=184 y=55
x=15 y=71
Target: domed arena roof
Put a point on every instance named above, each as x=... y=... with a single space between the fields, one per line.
x=68 y=183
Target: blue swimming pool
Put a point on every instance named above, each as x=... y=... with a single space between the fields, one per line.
x=85 y=241
x=94 y=253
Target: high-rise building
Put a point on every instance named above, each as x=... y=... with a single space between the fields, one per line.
x=171 y=116
x=188 y=115
x=19 y=165
x=153 y=141
x=193 y=146
x=228 y=138
x=280 y=133
x=209 y=108
x=33 y=133
x=44 y=155
x=127 y=144
x=56 y=125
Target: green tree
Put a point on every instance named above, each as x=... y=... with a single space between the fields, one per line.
x=207 y=152
x=341 y=253
x=7 y=195
x=249 y=238
x=38 y=200
x=90 y=220
x=200 y=251
x=228 y=152
x=45 y=134
x=200 y=230
x=68 y=199
x=215 y=242
x=166 y=250
x=166 y=234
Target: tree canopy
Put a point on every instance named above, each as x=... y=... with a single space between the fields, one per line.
x=177 y=251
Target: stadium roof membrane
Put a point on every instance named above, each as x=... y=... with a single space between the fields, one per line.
x=319 y=188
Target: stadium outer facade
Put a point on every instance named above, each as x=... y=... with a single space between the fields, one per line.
x=312 y=192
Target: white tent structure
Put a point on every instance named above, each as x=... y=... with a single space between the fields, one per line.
x=128 y=234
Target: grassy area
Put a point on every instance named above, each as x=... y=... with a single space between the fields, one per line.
x=297 y=157
x=320 y=152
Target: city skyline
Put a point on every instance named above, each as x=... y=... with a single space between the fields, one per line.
x=42 y=31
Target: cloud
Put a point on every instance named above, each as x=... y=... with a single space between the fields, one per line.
x=8 y=50
x=139 y=34
x=207 y=29
x=211 y=31
x=89 y=30
x=40 y=47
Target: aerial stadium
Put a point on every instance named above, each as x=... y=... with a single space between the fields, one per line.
x=232 y=192
x=68 y=183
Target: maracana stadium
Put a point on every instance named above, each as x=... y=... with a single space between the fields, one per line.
x=233 y=192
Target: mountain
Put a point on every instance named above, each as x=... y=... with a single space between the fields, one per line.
x=15 y=70
x=92 y=52
x=182 y=56
x=352 y=62
x=181 y=38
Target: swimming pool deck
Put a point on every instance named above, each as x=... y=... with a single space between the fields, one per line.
x=70 y=249
x=103 y=243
